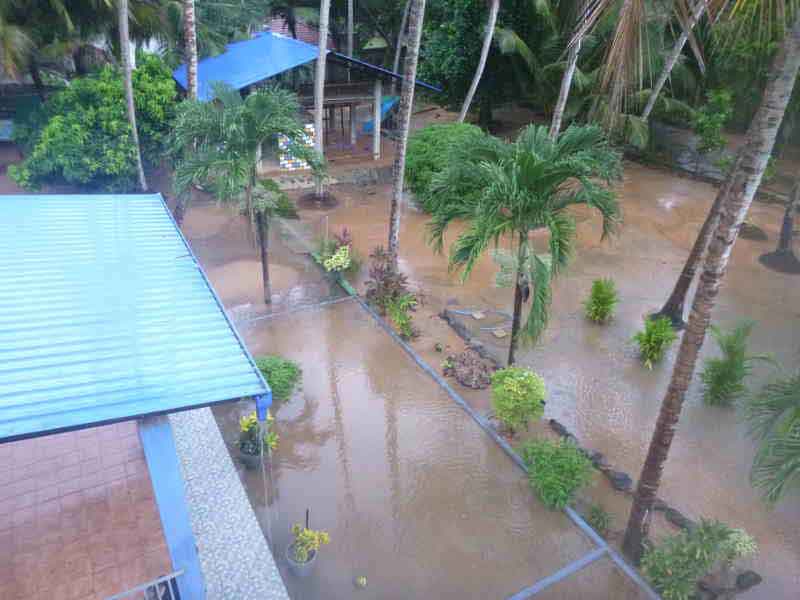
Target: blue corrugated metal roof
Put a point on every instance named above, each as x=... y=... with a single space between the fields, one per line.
x=248 y=62
x=106 y=315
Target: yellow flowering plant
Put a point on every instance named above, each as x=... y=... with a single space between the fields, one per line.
x=306 y=542
x=248 y=434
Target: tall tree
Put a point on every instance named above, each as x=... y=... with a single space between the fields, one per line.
x=784 y=258
x=127 y=77
x=190 y=47
x=350 y=27
x=494 y=8
x=735 y=201
x=415 y=19
x=507 y=191
x=319 y=88
x=401 y=42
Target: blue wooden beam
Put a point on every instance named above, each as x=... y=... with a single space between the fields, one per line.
x=165 y=475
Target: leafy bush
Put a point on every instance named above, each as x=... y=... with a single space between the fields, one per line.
x=399 y=310
x=517 y=396
x=248 y=434
x=281 y=374
x=602 y=300
x=599 y=519
x=427 y=153
x=675 y=565
x=338 y=255
x=307 y=541
x=384 y=284
x=723 y=377
x=711 y=118
x=81 y=135
x=557 y=470
x=657 y=336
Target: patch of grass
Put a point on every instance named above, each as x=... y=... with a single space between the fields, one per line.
x=281 y=373
x=654 y=340
x=602 y=301
x=557 y=470
x=599 y=519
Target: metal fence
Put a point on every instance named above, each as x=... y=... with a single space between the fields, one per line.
x=163 y=588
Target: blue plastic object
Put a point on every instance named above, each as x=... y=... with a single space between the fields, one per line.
x=106 y=315
x=387 y=105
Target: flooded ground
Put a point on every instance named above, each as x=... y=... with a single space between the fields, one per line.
x=597 y=386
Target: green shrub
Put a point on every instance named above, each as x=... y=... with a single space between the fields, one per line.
x=602 y=300
x=675 y=565
x=337 y=253
x=599 y=519
x=281 y=374
x=557 y=470
x=399 y=310
x=723 y=377
x=654 y=339
x=81 y=135
x=427 y=153
x=517 y=396
x=711 y=118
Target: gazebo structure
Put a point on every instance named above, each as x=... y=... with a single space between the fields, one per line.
x=108 y=324
x=352 y=86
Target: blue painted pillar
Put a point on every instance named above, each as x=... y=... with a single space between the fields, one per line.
x=165 y=475
x=263 y=402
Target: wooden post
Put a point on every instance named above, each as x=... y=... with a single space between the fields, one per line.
x=376 y=130
x=353 y=126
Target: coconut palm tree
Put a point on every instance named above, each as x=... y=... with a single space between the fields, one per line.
x=190 y=47
x=494 y=8
x=506 y=191
x=734 y=202
x=773 y=416
x=415 y=18
x=319 y=89
x=127 y=78
x=216 y=145
x=784 y=258
x=401 y=41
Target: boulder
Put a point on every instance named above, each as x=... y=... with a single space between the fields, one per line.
x=470 y=369
x=678 y=519
x=620 y=480
x=559 y=428
x=747 y=579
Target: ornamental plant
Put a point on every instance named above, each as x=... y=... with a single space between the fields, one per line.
x=399 y=311
x=517 y=396
x=602 y=300
x=281 y=373
x=557 y=470
x=249 y=442
x=338 y=261
x=654 y=340
x=385 y=284
x=306 y=543
x=337 y=254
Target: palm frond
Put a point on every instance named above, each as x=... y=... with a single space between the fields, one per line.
x=541 y=298
x=776 y=467
x=775 y=409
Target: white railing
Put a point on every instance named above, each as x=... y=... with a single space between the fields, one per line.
x=163 y=588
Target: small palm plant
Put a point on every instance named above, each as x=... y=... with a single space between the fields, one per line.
x=655 y=339
x=506 y=191
x=602 y=300
x=773 y=416
x=217 y=144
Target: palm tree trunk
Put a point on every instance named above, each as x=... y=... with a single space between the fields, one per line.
x=415 y=18
x=736 y=200
x=350 y=27
x=36 y=76
x=127 y=74
x=566 y=84
x=190 y=47
x=516 y=320
x=401 y=41
x=672 y=59
x=787 y=228
x=262 y=226
x=319 y=89
x=494 y=8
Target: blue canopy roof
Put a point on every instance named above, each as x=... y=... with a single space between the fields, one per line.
x=248 y=62
x=105 y=315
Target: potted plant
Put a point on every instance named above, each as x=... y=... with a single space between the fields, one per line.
x=302 y=552
x=249 y=443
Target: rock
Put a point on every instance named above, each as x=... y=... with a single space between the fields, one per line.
x=558 y=428
x=598 y=460
x=499 y=333
x=678 y=519
x=747 y=579
x=478 y=315
x=751 y=231
x=620 y=480
x=470 y=369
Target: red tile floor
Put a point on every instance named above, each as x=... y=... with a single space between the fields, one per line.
x=78 y=519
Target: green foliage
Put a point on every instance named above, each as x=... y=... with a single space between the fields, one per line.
x=427 y=153
x=557 y=470
x=773 y=417
x=270 y=199
x=384 y=284
x=518 y=396
x=307 y=541
x=711 y=119
x=599 y=519
x=248 y=434
x=337 y=254
x=399 y=310
x=602 y=300
x=675 y=565
x=281 y=374
x=81 y=134
x=654 y=340
x=723 y=377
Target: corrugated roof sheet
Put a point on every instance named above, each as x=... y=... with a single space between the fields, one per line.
x=106 y=315
x=248 y=62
